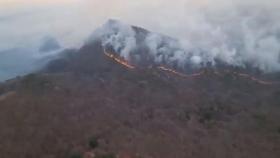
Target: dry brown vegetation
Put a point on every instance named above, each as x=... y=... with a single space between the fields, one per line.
x=95 y=108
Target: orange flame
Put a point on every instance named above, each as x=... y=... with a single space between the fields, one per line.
x=250 y=77
x=259 y=81
x=119 y=60
x=180 y=74
x=130 y=66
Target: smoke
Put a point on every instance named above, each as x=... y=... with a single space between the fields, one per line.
x=238 y=35
x=23 y=60
x=25 y=34
x=236 y=32
x=118 y=35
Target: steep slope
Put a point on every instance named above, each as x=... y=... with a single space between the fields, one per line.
x=88 y=103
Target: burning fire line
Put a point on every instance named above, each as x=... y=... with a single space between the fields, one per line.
x=130 y=66
x=180 y=74
x=118 y=60
x=255 y=79
x=259 y=81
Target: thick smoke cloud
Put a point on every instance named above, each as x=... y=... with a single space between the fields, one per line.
x=233 y=31
x=239 y=35
x=118 y=35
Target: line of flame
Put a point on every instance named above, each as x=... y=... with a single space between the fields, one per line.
x=118 y=60
x=202 y=72
x=130 y=66
x=251 y=78
x=180 y=74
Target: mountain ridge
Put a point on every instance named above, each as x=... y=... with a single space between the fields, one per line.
x=93 y=102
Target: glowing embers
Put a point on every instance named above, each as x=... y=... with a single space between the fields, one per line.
x=180 y=74
x=119 y=60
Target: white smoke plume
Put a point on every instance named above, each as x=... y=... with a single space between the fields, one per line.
x=118 y=35
x=237 y=32
x=239 y=36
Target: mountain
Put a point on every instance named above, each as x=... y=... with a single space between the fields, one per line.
x=49 y=44
x=103 y=101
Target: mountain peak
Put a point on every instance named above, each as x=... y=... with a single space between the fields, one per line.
x=112 y=22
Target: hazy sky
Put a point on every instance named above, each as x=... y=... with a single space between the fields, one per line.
x=73 y=20
x=205 y=24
